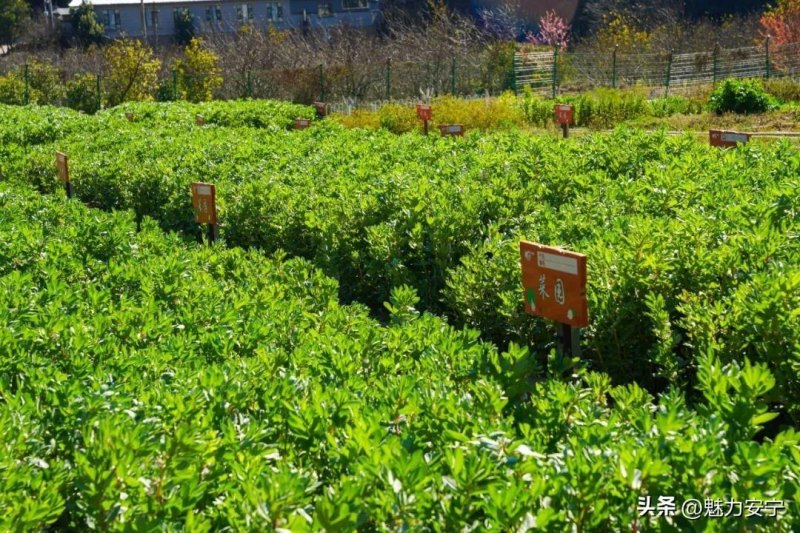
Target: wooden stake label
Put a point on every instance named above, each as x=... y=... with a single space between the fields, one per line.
x=451 y=129
x=301 y=123
x=129 y=116
x=554 y=283
x=62 y=162
x=564 y=114
x=727 y=139
x=204 y=202
x=424 y=112
x=199 y=120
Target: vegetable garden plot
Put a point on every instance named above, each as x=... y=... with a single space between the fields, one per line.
x=150 y=384
x=677 y=231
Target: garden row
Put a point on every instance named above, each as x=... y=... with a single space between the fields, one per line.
x=691 y=249
x=147 y=383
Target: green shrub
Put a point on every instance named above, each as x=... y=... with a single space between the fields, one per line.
x=538 y=111
x=741 y=97
x=784 y=89
x=82 y=93
x=12 y=90
x=397 y=118
x=44 y=85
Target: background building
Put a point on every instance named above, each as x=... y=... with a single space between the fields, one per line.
x=134 y=18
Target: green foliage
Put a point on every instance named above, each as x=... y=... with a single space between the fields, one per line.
x=184 y=27
x=88 y=31
x=673 y=105
x=783 y=89
x=741 y=97
x=147 y=383
x=496 y=113
x=12 y=89
x=82 y=93
x=601 y=108
x=198 y=74
x=667 y=222
x=44 y=85
x=131 y=72
x=13 y=15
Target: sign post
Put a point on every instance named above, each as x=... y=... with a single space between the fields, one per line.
x=424 y=113
x=564 y=116
x=301 y=123
x=554 y=284
x=727 y=139
x=199 y=120
x=129 y=116
x=62 y=163
x=455 y=130
x=322 y=109
x=204 y=203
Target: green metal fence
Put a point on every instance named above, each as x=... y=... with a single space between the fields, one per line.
x=549 y=72
x=543 y=70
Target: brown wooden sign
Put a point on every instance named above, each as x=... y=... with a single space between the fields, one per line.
x=204 y=202
x=62 y=162
x=424 y=112
x=727 y=139
x=301 y=123
x=322 y=109
x=129 y=116
x=451 y=129
x=200 y=120
x=564 y=114
x=554 y=283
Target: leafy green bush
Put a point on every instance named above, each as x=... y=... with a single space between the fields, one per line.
x=44 y=85
x=82 y=94
x=740 y=96
x=12 y=90
x=397 y=118
x=149 y=383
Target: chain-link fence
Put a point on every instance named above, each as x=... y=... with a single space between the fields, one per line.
x=544 y=71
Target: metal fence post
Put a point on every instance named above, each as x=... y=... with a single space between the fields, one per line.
x=614 y=67
x=555 y=70
x=27 y=93
x=716 y=61
x=766 y=50
x=453 y=77
x=174 y=84
x=669 y=73
x=99 y=94
x=513 y=70
x=321 y=83
x=389 y=79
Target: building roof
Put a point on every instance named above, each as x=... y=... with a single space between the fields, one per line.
x=106 y=3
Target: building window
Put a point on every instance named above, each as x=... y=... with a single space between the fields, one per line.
x=153 y=18
x=245 y=13
x=214 y=13
x=355 y=4
x=324 y=10
x=112 y=19
x=274 y=11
